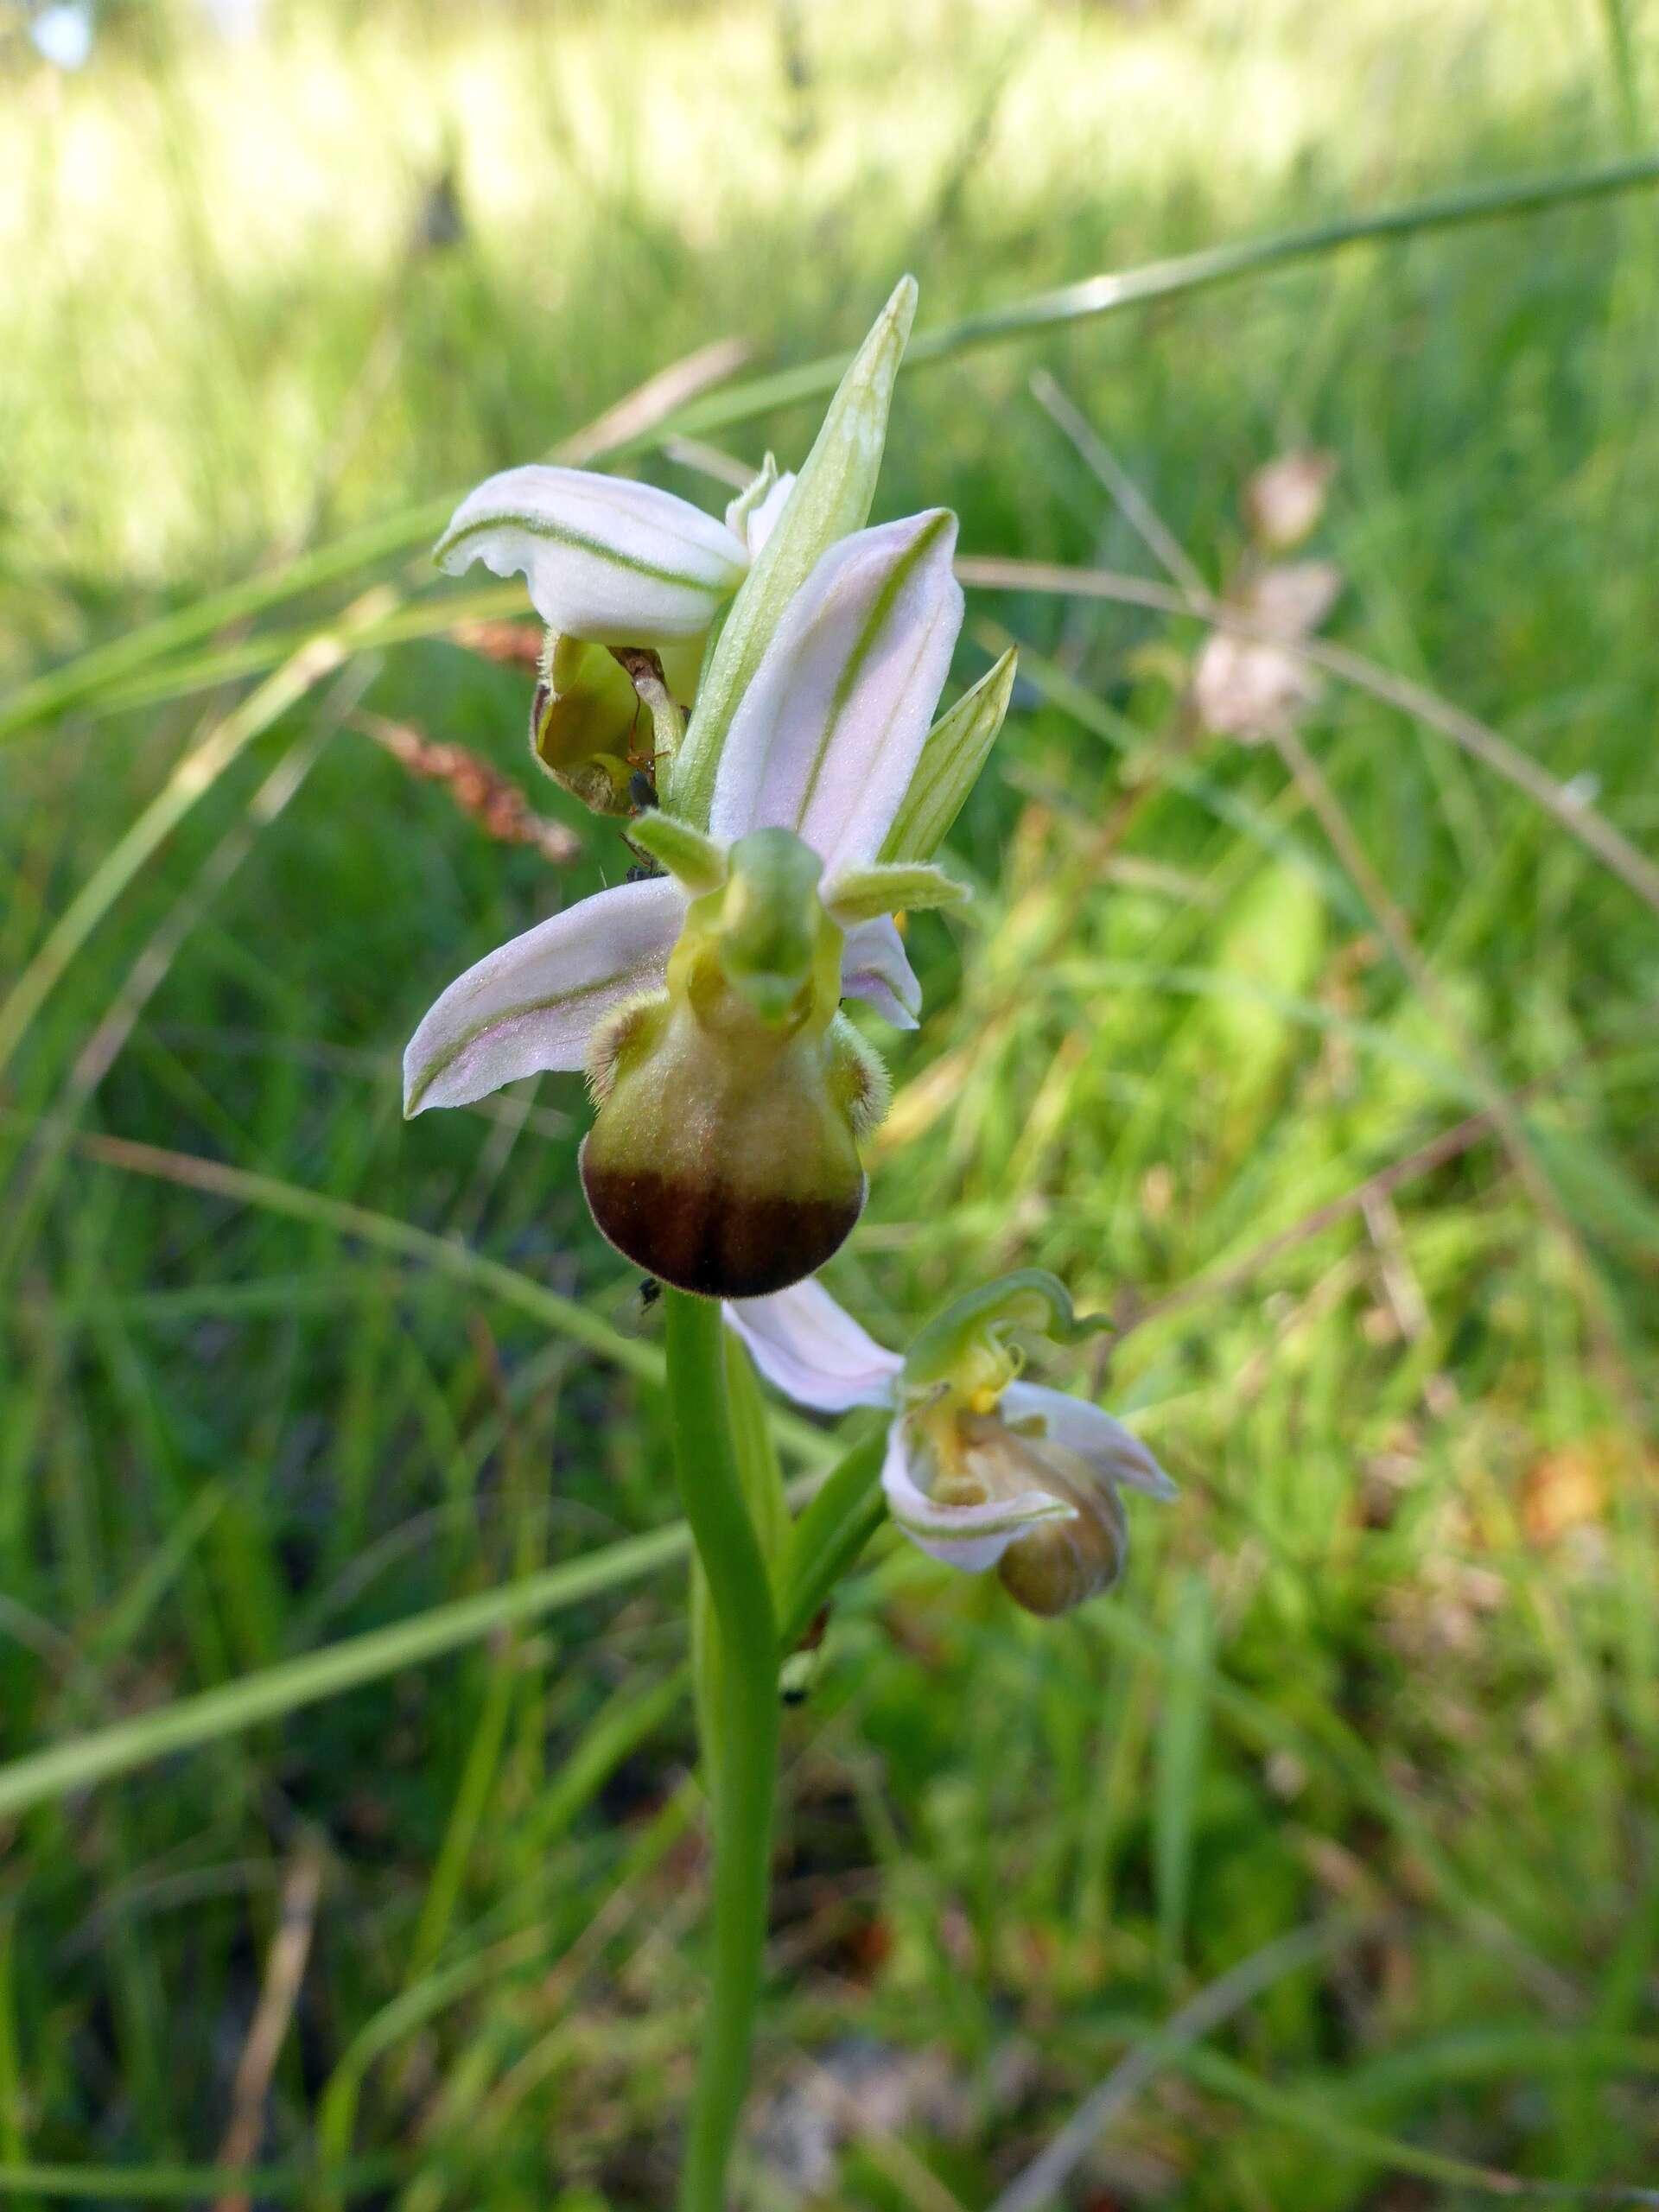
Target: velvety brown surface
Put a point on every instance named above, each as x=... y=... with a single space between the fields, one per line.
x=711 y=1237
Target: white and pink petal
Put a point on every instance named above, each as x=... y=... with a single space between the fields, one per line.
x=753 y=514
x=828 y=732
x=533 y=1003
x=875 y=967
x=1076 y=1425
x=971 y=1537
x=812 y=1350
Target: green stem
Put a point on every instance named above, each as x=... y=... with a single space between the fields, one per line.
x=746 y=1782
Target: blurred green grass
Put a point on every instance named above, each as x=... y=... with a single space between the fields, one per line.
x=1392 y=1660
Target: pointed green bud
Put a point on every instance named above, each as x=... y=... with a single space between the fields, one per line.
x=830 y=498
x=952 y=757
x=724 y=1156
x=862 y=893
x=693 y=860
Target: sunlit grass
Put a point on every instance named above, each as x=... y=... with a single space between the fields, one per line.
x=226 y=328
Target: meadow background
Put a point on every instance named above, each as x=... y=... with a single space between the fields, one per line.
x=1328 y=1067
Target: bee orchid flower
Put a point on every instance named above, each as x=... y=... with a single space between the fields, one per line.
x=731 y=1093
x=798 y=812
x=982 y=1469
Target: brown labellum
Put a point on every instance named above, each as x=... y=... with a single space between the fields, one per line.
x=716 y=1238
x=729 y=1173
x=1062 y=1564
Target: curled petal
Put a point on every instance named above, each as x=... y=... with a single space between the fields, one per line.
x=1106 y=1445
x=754 y=512
x=763 y=519
x=972 y=1537
x=533 y=1003
x=615 y=563
x=875 y=967
x=812 y=1350
x=828 y=732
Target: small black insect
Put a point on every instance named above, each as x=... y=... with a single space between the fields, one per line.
x=642 y=791
x=650 y=1291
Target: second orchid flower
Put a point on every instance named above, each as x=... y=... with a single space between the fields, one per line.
x=982 y=1469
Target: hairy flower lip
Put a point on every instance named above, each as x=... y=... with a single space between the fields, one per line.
x=714 y=1239
x=723 y=1157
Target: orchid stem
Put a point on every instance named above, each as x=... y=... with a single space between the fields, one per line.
x=744 y=1781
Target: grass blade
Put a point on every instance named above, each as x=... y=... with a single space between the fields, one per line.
x=1041 y=2183
x=191 y=2184
x=275 y=1691
x=1181 y=275
x=1179 y=1763
x=193 y=776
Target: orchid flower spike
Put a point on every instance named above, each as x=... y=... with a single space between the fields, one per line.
x=800 y=810
x=609 y=563
x=731 y=1096
x=982 y=1469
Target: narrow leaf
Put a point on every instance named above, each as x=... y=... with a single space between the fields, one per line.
x=1179 y=1763
x=951 y=759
